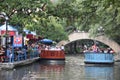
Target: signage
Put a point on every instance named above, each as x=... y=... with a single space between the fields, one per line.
x=17 y=41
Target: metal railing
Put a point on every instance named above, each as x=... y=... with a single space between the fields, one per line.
x=20 y=56
x=99 y=57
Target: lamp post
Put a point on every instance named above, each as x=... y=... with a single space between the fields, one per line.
x=101 y=30
x=2 y=14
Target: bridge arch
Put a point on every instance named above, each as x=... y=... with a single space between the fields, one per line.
x=82 y=35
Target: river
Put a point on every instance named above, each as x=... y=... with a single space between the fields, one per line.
x=73 y=69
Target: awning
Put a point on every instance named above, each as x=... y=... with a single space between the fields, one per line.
x=46 y=41
x=11 y=31
x=10 y=28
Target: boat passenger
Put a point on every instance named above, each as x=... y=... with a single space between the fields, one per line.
x=95 y=48
x=105 y=51
x=110 y=50
x=62 y=47
x=58 y=48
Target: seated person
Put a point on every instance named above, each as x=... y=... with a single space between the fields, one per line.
x=95 y=48
x=2 y=52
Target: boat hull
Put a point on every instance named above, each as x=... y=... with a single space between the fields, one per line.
x=99 y=58
x=52 y=55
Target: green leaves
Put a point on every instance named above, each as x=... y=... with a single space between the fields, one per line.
x=51 y=18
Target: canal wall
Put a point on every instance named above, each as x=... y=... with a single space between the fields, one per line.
x=117 y=57
x=12 y=65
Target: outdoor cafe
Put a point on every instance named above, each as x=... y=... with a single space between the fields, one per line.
x=12 y=45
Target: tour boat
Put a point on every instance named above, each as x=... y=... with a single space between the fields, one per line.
x=94 y=57
x=52 y=55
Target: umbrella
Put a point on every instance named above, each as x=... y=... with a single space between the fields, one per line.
x=46 y=41
x=29 y=32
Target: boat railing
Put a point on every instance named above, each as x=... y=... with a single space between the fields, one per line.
x=99 y=57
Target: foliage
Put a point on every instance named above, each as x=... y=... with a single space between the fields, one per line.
x=51 y=19
x=88 y=15
x=33 y=15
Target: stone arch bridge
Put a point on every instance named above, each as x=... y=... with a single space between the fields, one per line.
x=82 y=35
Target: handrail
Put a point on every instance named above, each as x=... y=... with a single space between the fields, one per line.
x=92 y=57
x=12 y=57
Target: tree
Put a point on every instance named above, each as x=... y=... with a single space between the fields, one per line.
x=89 y=15
x=45 y=17
x=33 y=16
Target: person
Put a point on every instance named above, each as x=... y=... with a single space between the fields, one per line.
x=11 y=57
x=25 y=46
x=62 y=47
x=110 y=50
x=95 y=48
x=9 y=54
x=85 y=48
x=2 y=52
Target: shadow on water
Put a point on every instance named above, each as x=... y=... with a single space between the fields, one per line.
x=51 y=62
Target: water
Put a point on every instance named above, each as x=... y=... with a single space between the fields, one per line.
x=71 y=70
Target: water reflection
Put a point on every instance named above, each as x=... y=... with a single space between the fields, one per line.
x=52 y=72
x=34 y=71
x=67 y=71
x=46 y=72
x=53 y=68
x=18 y=73
x=99 y=72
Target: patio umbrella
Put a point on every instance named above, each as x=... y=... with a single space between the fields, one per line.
x=46 y=41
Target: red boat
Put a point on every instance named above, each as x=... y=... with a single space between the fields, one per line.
x=52 y=55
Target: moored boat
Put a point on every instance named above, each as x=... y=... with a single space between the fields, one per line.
x=52 y=55
x=94 y=57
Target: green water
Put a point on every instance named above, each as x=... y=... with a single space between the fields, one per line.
x=71 y=70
